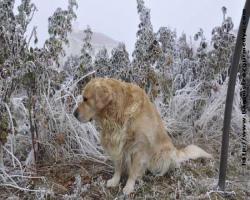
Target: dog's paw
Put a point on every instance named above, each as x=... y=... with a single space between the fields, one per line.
x=129 y=188
x=113 y=182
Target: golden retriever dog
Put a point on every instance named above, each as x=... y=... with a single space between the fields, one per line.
x=132 y=132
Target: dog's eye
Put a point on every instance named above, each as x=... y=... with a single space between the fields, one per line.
x=85 y=99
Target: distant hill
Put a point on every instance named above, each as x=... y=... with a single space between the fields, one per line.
x=99 y=40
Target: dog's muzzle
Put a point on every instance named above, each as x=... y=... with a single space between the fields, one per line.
x=76 y=114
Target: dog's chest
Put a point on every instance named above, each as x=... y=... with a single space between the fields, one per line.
x=113 y=138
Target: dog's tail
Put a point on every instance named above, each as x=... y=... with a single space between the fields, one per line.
x=168 y=156
x=191 y=152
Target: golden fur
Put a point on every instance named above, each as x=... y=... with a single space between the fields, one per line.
x=132 y=131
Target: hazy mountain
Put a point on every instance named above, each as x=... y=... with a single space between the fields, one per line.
x=99 y=40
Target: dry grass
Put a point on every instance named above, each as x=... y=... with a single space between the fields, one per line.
x=86 y=179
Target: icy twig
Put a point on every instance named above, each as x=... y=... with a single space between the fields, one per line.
x=21 y=188
x=13 y=138
x=1 y=156
x=15 y=158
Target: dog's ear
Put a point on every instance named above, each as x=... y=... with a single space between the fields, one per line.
x=103 y=96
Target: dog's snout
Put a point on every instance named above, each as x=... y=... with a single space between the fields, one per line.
x=76 y=114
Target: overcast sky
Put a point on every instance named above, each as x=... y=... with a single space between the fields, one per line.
x=119 y=19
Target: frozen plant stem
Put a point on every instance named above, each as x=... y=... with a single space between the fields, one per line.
x=14 y=158
x=1 y=156
x=13 y=138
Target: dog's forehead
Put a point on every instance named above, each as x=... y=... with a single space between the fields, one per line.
x=91 y=87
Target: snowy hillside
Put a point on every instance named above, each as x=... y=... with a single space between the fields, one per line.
x=99 y=40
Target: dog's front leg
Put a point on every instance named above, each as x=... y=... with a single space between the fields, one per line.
x=114 y=181
x=136 y=169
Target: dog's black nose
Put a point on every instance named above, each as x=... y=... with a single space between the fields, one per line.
x=76 y=114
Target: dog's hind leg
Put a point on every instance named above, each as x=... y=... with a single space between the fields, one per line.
x=114 y=181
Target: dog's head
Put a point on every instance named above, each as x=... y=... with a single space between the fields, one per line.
x=96 y=95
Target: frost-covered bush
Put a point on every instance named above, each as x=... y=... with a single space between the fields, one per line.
x=86 y=53
x=147 y=49
x=29 y=77
x=102 y=63
x=223 y=42
x=71 y=65
x=120 y=62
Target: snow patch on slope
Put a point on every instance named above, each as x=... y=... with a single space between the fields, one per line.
x=99 y=40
